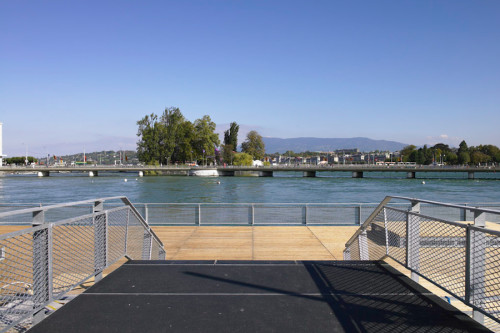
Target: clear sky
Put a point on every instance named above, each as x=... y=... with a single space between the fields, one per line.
x=77 y=74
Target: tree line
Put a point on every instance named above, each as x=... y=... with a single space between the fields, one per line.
x=171 y=138
x=442 y=153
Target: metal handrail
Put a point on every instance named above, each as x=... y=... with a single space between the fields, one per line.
x=389 y=198
x=124 y=199
x=54 y=257
x=470 y=259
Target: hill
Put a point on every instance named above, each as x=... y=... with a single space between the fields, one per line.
x=274 y=145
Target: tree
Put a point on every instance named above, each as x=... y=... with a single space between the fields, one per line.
x=463 y=153
x=172 y=121
x=254 y=145
x=231 y=135
x=148 y=146
x=243 y=159
x=227 y=153
x=407 y=151
x=205 y=137
x=184 y=141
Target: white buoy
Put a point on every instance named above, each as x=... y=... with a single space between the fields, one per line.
x=423 y=182
x=218 y=182
x=125 y=180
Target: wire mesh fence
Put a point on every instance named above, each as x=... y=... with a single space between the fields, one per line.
x=41 y=264
x=462 y=258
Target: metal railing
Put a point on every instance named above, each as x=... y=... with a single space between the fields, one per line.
x=39 y=265
x=461 y=258
x=192 y=214
x=284 y=213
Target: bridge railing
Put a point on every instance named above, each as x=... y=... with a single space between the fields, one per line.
x=461 y=258
x=41 y=264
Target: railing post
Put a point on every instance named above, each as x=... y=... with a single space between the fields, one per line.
x=100 y=222
x=357 y=215
x=126 y=231
x=198 y=220
x=477 y=274
x=463 y=214
x=147 y=245
x=42 y=266
x=386 y=229
x=363 y=246
x=304 y=221
x=413 y=240
x=252 y=214
x=146 y=213
x=347 y=254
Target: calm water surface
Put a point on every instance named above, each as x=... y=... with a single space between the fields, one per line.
x=283 y=188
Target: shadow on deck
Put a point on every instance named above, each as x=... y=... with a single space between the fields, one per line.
x=257 y=296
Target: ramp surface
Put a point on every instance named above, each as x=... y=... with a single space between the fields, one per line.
x=253 y=296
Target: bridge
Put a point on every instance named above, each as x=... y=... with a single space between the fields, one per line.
x=357 y=171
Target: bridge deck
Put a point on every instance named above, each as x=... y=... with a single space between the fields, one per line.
x=253 y=296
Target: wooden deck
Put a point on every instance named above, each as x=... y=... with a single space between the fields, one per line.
x=254 y=243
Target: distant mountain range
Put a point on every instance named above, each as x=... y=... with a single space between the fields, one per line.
x=297 y=145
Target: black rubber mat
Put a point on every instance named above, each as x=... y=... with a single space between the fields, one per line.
x=253 y=296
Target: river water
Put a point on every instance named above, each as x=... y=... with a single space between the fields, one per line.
x=283 y=188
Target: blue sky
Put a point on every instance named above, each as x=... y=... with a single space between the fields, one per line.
x=77 y=74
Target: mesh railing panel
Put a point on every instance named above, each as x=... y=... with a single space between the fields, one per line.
x=117 y=231
x=485 y=272
x=354 y=253
x=172 y=214
x=41 y=264
x=323 y=214
x=16 y=279
x=72 y=254
x=438 y=251
x=225 y=214
x=376 y=239
x=285 y=214
x=155 y=251
x=135 y=237
x=396 y=234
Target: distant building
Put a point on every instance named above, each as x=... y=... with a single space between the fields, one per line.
x=347 y=151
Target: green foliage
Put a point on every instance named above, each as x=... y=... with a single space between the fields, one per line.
x=227 y=153
x=205 y=137
x=231 y=135
x=20 y=160
x=267 y=163
x=254 y=145
x=171 y=138
x=242 y=159
x=464 y=158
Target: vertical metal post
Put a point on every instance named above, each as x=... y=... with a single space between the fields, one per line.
x=42 y=266
x=126 y=231
x=463 y=214
x=252 y=214
x=468 y=260
x=146 y=213
x=413 y=239
x=304 y=220
x=100 y=221
x=347 y=254
x=147 y=245
x=199 y=215
x=357 y=215
x=386 y=229
x=477 y=273
x=363 y=246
